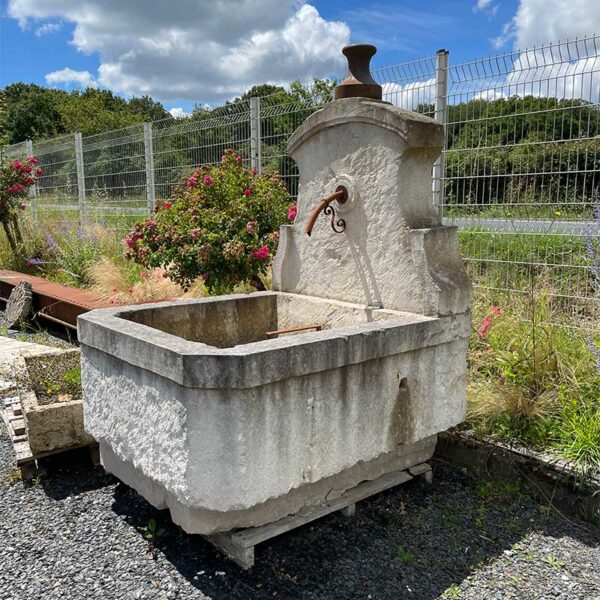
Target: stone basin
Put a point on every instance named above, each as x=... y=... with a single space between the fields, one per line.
x=197 y=409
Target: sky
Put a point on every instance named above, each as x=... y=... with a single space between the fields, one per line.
x=207 y=51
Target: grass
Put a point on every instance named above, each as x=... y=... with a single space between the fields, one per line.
x=55 y=377
x=533 y=382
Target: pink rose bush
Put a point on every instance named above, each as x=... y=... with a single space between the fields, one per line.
x=16 y=178
x=221 y=224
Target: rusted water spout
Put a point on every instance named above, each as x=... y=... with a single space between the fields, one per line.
x=341 y=195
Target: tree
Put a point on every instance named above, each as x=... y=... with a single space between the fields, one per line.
x=32 y=112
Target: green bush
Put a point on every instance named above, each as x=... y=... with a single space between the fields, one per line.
x=221 y=225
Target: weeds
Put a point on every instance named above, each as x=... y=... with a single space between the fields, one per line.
x=13 y=477
x=533 y=382
x=452 y=592
x=554 y=562
x=405 y=556
x=152 y=535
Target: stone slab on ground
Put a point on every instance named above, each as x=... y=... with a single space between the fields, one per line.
x=18 y=305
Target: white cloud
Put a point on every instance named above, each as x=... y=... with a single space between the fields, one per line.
x=48 y=29
x=482 y=4
x=178 y=113
x=82 y=79
x=202 y=51
x=566 y=72
x=410 y=95
x=539 y=21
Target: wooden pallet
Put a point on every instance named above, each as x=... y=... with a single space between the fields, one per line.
x=26 y=460
x=239 y=544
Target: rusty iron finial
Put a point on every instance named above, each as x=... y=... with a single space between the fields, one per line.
x=359 y=81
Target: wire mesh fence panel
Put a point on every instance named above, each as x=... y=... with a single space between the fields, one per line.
x=16 y=151
x=410 y=85
x=182 y=144
x=57 y=186
x=114 y=169
x=522 y=173
x=280 y=115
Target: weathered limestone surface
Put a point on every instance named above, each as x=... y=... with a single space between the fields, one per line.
x=18 y=305
x=394 y=252
x=282 y=415
x=55 y=425
x=200 y=411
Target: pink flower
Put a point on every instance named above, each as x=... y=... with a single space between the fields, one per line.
x=22 y=206
x=486 y=325
x=29 y=180
x=223 y=158
x=208 y=180
x=200 y=197
x=168 y=205
x=292 y=212
x=38 y=171
x=253 y=170
x=16 y=164
x=247 y=192
x=151 y=225
x=262 y=253
x=497 y=310
x=26 y=169
x=238 y=159
x=16 y=188
x=251 y=226
x=32 y=160
x=192 y=182
x=205 y=276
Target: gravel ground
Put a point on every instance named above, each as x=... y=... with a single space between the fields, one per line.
x=78 y=533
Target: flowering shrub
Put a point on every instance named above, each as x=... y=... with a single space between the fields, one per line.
x=16 y=177
x=487 y=321
x=221 y=224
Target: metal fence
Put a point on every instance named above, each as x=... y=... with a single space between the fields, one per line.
x=519 y=174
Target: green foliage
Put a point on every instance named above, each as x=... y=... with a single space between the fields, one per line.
x=534 y=382
x=490 y=138
x=405 y=555
x=55 y=377
x=74 y=255
x=33 y=112
x=222 y=225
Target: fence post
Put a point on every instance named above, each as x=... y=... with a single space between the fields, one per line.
x=80 y=176
x=441 y=116
x=255 y=134
x=33 y=190
x=149 y=156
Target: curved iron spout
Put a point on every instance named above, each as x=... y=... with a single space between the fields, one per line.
x=341 y=195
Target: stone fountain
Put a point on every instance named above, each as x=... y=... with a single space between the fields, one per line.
x=247 y=410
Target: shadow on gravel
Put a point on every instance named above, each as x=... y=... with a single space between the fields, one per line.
x=412 y=542
x=72 y=473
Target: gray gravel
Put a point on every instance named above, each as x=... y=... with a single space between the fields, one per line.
x=77 y=533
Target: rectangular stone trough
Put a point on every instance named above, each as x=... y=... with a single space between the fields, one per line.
x=55 y=422
x=200 y=411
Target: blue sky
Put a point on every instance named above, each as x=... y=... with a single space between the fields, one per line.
x=200 y=52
